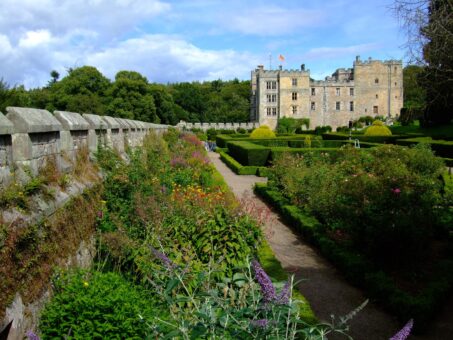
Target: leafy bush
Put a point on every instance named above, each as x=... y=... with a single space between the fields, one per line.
x=378 y=129
x=290 y=125
x=383 y=198
x=263 y=131
x=237 y=167
x=89 y=305
x=319 y=130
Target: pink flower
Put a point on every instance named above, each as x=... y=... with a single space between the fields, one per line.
x=396 y=191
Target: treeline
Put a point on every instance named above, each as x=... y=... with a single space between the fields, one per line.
x=132 y=96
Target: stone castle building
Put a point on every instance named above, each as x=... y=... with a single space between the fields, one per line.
x=370 y=88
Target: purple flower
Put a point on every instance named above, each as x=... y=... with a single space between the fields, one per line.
x=267 y=288
x=178 y=162
x=161 y=256
x=32 y=336
x=283 y=297
x=100 y=214
x=261 y=323
x=163 y=189
x=404 y=332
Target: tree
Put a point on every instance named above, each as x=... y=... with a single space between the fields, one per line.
x=15 y=96
x=429 y=29
x=82 y=90
x=130 y=97
x=54 y=77
x=414 y=93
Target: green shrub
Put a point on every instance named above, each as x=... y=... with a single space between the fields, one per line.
x=263 y=131
x=89 y=305
x=248 y=153
x=378 y=129
x=367 y=195
x=441 y=148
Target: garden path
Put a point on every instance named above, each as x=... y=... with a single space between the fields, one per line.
x=323 y=286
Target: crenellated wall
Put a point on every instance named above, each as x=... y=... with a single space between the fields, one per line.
x=217 y=126
x=29 y=138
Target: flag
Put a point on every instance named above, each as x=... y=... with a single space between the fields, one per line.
x=281 y=58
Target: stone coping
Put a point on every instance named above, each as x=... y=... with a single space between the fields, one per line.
x=6 y=127
x=71 y=121
x=112 y=123
x=132 y=124
x=96 y=122
x=28 y=120
x=123 y=123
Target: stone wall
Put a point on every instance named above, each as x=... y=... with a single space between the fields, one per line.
x=30 y=138
x=217 y=126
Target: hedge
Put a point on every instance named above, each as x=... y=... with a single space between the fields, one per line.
x=248 y=153
x=360 y=271
x=441 y=148
x=234 y=165
x=222 y=139
x=362 y=138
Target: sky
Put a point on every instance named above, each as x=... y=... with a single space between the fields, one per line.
x=191 y=40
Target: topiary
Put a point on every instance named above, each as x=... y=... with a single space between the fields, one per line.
x=378 y=129
x=263 y=131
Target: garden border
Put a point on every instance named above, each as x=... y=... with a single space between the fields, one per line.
x=361 y=272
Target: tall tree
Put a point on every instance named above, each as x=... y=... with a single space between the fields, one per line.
x=82 y=90
x=429 y=28
x=130 y=97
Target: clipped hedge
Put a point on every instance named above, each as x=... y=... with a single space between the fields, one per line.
x=442 y=148
x=237 y=168
x=421 y=307
x=362 y=138
x=248 y=153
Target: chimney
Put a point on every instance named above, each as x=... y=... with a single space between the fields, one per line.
x=357 y=58
x=260 y=68
x=280 y=67
x=302 y=67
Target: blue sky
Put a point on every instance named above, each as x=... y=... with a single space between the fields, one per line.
x=174 y=41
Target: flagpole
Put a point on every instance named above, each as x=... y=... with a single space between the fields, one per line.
x=270 y=61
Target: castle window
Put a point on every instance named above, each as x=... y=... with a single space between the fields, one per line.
x=377 y=96
x=395 y=69
x=294 y=107
x=313 y=91
x=375 y=110
x=294 y=81
x=351 y=106
x=395 y=83
x=337 y=106
x=271 y=85
x=351 y=91
x=313 y=105
x=337 y=91
x=294 y=95
x=274 y=111
x=271 y=98
x=376 y=81
x=268 y=109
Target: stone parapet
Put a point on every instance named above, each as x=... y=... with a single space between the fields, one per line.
x=31 y=138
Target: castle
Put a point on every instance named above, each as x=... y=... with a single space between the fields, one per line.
x=370 y=88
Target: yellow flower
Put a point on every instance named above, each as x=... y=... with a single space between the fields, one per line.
x=85 y=284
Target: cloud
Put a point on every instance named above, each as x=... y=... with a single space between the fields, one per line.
x=35 y=38
x=164 y=58
x=272 y=20
x=337 y=52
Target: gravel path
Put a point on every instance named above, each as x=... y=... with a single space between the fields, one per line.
x=323 y=286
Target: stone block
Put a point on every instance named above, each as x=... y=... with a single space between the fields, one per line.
x=27 y=120
x=71 y=121
x=22 y=147
x=111 y=122
x=96 y=122
x=6 y=127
